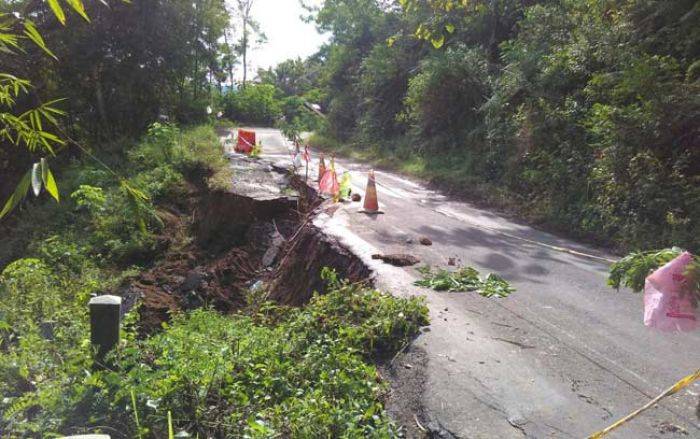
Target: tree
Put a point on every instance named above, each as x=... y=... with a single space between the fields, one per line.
x=585 y=113
x=228 y=54
x=293 y=76
x=118 y=73
x=22 y=124
x=250 y=33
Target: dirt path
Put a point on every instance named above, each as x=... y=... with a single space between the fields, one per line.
x=562 y=357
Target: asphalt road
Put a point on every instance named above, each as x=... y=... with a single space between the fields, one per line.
x=563 y=357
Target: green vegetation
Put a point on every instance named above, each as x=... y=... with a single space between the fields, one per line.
x=632 y=270
x=299 y=372
x=266 y=371
x=256 y=104
x=464 y=279
x=581 y=115
x=77 y=75
x=101 y=219
x=85 y=245
x=128 y=187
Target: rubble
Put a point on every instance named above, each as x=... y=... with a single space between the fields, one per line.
x=398 y=260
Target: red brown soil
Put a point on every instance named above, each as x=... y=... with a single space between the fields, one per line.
x=220 y=243
x=298 y=275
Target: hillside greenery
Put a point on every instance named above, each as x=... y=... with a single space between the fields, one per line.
x=583 y=116
x=262 y=372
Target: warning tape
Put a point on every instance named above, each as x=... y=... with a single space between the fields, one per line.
x=685 y=382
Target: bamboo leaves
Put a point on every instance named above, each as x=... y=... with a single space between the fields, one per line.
x=57 y=11
x=76 y=5
x=49 y=180
x=27 y=129
x=37 y=177
x=18 y=195
x=33 y=34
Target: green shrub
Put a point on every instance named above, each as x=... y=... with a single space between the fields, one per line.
x=253 y=104
x=44 y=343
x=299 y=372
x=302 y=377
x=457 y=80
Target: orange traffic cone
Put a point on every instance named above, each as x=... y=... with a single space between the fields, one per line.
x=321 y=168
x=371 y=205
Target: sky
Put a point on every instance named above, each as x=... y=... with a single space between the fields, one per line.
x=287 y=35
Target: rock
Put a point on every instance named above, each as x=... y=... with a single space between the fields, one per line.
x=436 y=430
x=425 y=240
x=273 y=250
x=356 y=197
x=667 y=427
x=193 y=280
x=398 y=260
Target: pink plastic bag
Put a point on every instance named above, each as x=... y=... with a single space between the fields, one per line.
x=667 y=306
x=329 y=183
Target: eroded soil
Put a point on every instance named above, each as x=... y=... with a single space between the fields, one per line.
x=222 y=243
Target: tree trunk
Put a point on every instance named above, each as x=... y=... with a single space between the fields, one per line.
x=230 y=59
x=245 y=53
x=99 y=99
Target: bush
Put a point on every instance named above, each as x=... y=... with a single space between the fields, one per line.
x=44 y=342
x=457 y=80
x=298 y=372
x=253 y=104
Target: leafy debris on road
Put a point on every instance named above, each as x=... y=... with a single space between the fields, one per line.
x=464 y=279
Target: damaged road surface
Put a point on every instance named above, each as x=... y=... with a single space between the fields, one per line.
x=257 y=232
x=564 y=356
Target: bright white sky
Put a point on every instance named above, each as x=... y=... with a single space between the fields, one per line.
x=287 y=35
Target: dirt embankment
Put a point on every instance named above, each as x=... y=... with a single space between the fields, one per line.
x=220 y=244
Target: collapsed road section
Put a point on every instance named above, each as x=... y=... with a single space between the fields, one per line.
x=259 y=232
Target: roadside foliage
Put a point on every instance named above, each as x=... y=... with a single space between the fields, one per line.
x=579 y=115
x=263 y=371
